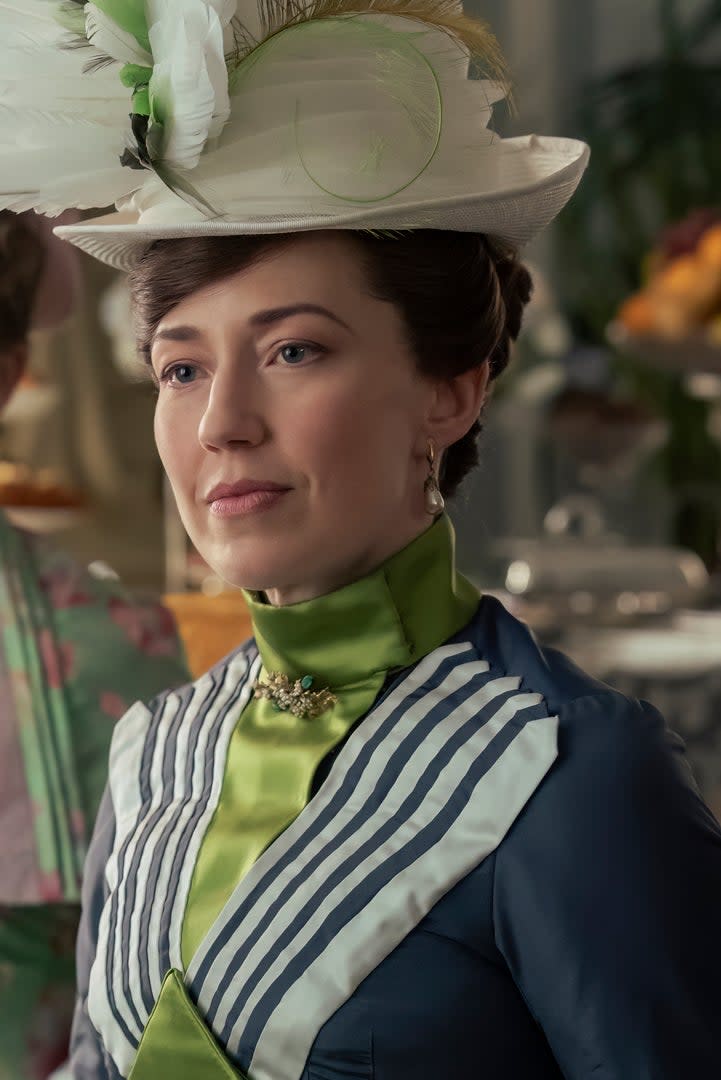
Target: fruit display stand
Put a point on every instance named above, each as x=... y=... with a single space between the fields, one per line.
x=673 y=322
x=680 y=296
x=671 y=327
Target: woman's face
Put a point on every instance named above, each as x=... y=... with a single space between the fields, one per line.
x=292 y=422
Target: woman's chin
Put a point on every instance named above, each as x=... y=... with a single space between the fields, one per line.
x=251 y=575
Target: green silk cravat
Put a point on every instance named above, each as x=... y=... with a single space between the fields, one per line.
x=348 y=640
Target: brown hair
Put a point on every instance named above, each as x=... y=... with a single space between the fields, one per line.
x=461 y=296
x=21 y=262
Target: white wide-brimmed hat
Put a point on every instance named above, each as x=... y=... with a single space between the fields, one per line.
x=264 y=116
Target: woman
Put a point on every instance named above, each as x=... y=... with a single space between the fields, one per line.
x=389 y=836
x=77 y=651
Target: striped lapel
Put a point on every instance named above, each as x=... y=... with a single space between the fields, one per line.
x=423 y=790
x=166 y=772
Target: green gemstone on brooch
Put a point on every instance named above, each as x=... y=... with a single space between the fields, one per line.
x=295 y=697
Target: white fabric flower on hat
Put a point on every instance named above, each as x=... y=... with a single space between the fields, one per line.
x=189 y=97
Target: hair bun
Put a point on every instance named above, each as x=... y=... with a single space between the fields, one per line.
x=515 y=286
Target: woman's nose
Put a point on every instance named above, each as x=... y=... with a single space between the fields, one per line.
x=231 y=417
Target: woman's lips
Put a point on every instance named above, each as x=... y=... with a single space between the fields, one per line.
x=234 y=505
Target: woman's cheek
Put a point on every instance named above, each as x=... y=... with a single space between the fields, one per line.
x=175 y=435
x=163 y=428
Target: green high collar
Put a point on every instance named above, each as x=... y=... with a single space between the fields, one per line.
x=389 y=619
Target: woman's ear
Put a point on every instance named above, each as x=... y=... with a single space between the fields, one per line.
x=456 y=405
x=13 y=362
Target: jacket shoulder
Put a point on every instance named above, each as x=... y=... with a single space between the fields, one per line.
x=511 y=647
x=602 y=734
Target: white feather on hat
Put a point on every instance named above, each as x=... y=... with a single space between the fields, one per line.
x=61 y=130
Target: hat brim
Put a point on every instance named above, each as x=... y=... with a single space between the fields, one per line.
x=512 y=213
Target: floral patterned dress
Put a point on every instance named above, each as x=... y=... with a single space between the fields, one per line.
x=77 y=650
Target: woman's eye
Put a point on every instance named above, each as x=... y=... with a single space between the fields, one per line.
x=293 y=353
x=180 y=374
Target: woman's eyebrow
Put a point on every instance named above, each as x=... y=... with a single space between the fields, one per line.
x=266 y=318
x=177 y=333
x=260 y=318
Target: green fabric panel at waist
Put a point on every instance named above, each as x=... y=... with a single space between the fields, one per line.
x=177 y=1043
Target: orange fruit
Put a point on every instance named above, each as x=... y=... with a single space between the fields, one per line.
x=636 y=314
x=709 y=248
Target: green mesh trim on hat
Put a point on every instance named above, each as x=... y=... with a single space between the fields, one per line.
x=400 y=88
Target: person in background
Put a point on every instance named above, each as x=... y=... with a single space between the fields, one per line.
x=76 y=651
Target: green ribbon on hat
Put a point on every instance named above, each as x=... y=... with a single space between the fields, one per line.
x=137 y=78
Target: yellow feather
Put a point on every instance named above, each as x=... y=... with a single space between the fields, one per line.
x=443 y=15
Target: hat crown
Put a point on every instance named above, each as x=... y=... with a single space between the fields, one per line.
x=346 y=110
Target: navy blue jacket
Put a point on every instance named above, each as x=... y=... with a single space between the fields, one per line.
x=586 y=946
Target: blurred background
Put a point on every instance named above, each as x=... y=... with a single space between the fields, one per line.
x=596 y=513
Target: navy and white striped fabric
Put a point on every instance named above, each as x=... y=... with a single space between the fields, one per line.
x=424 y=789
x=166 y=774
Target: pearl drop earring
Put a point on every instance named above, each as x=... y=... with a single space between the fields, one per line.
x=435 y=502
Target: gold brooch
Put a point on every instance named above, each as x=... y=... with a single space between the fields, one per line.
x=295 y=697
